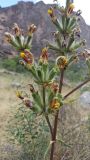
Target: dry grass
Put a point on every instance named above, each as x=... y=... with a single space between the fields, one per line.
x=8 y=100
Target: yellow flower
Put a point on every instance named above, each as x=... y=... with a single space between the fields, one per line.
x=27 y=56
x=19 y=95
x=70 y=8
x=61 y=62
x=51 y=12
x=55 y=104
x=22 y=54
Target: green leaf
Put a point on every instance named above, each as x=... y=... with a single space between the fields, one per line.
x=52 y=73
x=71 y=40
x=40 y=74
x=58 y=40
x=59 y=25
x=18 y=40
x=37 y=99
x=72 y=23
x=15 y=44
x=75 y=46
x=50 y=97
x=45 y=71
x=34 y=72
x=28 y=41
x=55 y=48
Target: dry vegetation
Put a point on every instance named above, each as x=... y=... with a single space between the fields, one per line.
x=8 y=84
x=8 y=101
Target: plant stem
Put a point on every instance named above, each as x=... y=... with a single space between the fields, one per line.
x=44 y=108
x=76 y=88
x=56 y=119
x=49 y=124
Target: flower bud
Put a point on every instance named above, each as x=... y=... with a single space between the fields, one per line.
x=78 y=13
x=83 y=43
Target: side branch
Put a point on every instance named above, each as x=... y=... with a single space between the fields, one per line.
x=76 y=88
x=49 y=124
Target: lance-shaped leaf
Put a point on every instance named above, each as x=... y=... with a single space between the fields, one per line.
x=64 y=23
x=55 y=48
x=59 y=25
x=71 y=40
x=52 y=73
x=72 y=59
x=28 y=41
x=75 y=46
x=34 y=72
x=45 y=69
x=72 y=23
x=58 y=39
x=20 y=40
x=37 y=99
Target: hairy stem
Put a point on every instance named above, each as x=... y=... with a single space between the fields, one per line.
x=56 y=119
x=76 y=88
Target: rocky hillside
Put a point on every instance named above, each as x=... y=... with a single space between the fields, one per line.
x=25 y=13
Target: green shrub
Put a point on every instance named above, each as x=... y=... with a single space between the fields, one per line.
x=31 y=132
x=12 y=64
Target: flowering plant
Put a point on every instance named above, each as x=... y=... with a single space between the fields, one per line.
x=47 y=98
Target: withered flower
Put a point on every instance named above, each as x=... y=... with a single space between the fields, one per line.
x=44 y=56
x=28 y=103
x=31 y=88
x=61 y=62
x=55 y=87
x=16 y=29
x=55 y=104
x=31 y=29
x=8 y=37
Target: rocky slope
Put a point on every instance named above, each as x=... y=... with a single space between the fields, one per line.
x=25 y=13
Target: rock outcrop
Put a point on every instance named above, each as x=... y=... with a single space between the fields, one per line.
x=25 y=13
